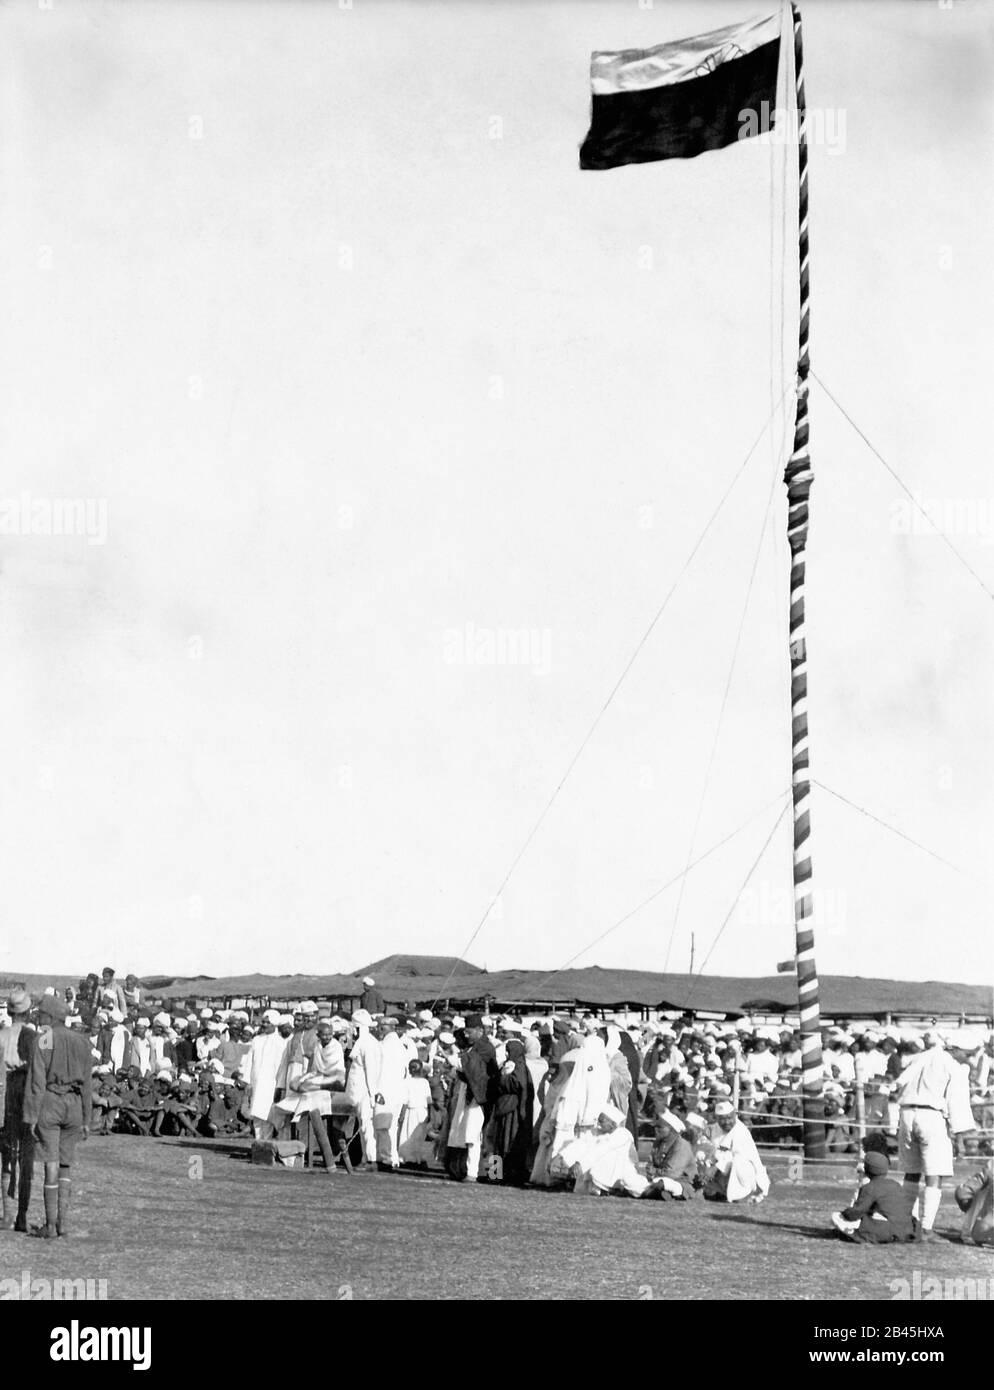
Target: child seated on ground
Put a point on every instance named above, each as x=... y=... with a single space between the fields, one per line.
x=880 y=1215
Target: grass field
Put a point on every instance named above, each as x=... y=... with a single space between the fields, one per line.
x=181 y=1219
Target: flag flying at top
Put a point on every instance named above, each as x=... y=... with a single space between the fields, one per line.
x=682 y=98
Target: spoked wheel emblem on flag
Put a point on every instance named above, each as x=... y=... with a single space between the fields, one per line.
x=677 y=101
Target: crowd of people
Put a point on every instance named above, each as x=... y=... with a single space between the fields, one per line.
x=660 y=1110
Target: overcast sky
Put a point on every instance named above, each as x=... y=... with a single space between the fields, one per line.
x=360 y=374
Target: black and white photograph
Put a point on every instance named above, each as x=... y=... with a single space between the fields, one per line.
x=497 y=648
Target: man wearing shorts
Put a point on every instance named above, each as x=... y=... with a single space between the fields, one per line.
x=930 y=1108
x=57 y=1102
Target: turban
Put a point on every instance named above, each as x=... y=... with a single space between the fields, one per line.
x=308 y=1007
x=163 y=1020
x=363 y=1018
x=368 y=980
x=206 y=1013
x=178 y=1023
x=213 y=1027
x=271 y=1016
x=724 y=1107
x=116 y=1016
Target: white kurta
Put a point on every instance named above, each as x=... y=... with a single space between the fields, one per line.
x=119 y=1040
x=737 y=1156
x=604 y=1163
x=362 y=1084
x=262 y=1066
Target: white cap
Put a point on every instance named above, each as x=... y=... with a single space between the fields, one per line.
x=206 y=1013
x=368 y=980
x=271 y=1016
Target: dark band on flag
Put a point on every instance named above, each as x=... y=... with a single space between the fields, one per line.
x=658 y=105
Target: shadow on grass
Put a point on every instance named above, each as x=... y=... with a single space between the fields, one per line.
x=811 y=1232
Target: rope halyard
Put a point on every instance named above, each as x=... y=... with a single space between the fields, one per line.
x=798 y=477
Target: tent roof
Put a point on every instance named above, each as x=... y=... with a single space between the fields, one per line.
x=840 y=994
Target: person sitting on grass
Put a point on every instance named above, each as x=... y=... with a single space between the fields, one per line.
x=672 y=1166
x=736 y=1171
x=177 y=1110
x=138 y=1109
x=106 y=1106
x=880 y=1214
x=603 y=1159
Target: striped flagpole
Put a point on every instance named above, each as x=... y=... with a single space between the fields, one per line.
x=798 y=477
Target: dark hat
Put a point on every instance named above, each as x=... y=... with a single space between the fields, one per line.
x=51 y=1007
x=474 y=1021
x=876 y=1164
x=560 y=1026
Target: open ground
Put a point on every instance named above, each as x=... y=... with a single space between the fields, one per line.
x=178 y=1219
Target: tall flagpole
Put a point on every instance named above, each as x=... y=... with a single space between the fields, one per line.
x=798 y=477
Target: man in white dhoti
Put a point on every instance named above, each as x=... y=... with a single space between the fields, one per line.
x=262 y=1068
x=604 y=1159
x=388 y=1099
x=736 y=1170
x=362 y=1081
